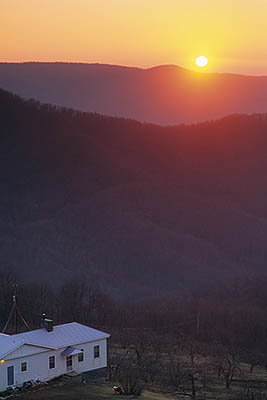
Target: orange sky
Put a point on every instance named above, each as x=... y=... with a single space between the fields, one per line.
x=231 y=33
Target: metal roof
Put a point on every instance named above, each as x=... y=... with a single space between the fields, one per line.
x=8 y=344
x=64 y=335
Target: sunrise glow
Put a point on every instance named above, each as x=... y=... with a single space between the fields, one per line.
x=137 y=33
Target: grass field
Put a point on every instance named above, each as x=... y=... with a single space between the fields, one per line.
x=76 y=390
x=83 y=391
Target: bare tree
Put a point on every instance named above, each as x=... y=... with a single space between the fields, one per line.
x=174 y=370
x=186 y=368
x=130 y=379
x=194 y=380
x=227 y=363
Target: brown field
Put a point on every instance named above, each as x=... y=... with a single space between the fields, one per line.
x=74 y=390
x=83 y=391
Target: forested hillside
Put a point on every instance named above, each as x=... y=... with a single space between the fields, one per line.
x=143 y=209
x=166 y=94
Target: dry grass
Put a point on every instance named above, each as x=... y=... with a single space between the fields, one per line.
x=84 y=391
x=74 y=390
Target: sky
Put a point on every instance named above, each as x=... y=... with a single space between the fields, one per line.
x=232 y=34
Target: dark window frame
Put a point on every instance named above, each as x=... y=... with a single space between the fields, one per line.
x=97 y=351
x=52 y=362
x=24 y=366
x=81 y=356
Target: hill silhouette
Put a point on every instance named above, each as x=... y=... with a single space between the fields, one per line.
x=142 y=208
x=162 y=95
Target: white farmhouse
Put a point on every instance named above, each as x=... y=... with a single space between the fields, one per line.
x=46 y=353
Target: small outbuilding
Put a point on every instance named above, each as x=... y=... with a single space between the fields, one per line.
x=43 y=354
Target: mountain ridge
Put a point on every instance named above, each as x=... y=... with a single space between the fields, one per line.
x=163 y=95
x=130 y=67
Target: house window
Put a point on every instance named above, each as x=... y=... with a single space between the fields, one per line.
x=23 y=366
x=52 y=362
x=69 y=363
x=80 y=356
x=96 y=351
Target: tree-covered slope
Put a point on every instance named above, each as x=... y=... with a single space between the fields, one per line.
x=142 y=208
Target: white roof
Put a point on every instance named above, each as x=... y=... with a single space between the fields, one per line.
x=8 y=344
x=64 y=335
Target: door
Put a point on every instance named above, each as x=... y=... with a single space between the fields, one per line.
x=10 y=376
x=69 y=363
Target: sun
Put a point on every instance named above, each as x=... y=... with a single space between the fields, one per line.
x=202 y=61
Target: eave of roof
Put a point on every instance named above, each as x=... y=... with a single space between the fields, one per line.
x=3 y=355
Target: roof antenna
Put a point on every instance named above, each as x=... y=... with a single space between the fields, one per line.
x=17 y=312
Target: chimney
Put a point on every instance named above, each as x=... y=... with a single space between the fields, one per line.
x=47 y=323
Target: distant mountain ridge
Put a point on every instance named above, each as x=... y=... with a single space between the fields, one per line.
x=161 y=95
x=146 y=210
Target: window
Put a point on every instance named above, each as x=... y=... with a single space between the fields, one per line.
x=80 y=356
x=52 y=362
x=96 y=351
x=23 y=366
x=69 y=363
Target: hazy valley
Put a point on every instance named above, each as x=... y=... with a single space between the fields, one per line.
x=165 y=94
x=144 y=209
